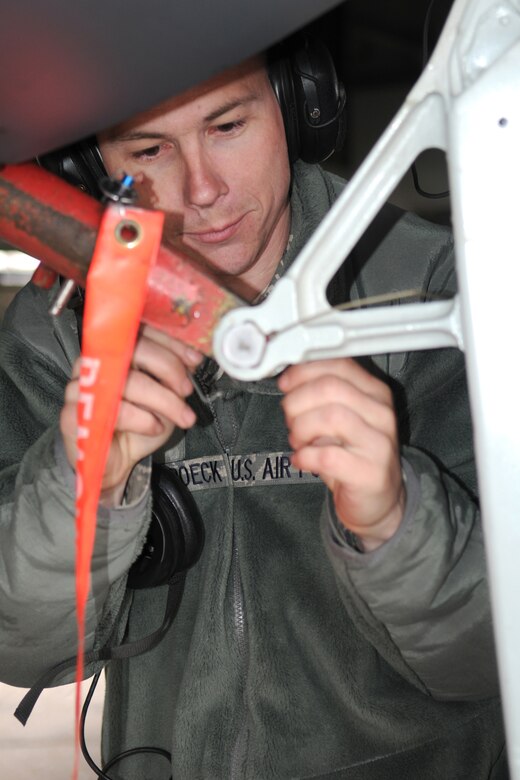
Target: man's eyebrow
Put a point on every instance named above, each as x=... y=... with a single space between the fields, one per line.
x=230 y=105
x=136 y=135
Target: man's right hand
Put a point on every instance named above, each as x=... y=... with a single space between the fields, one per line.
x=152 y=405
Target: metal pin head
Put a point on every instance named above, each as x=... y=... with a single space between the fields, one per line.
x=244 y=345
x=118 y=190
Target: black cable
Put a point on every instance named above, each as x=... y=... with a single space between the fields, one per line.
x=426 y=32
x=125 y=754
x=135 y=751
x=128 y=650
x=86 y=755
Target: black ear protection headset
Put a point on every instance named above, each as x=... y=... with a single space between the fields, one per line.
x=311 y=98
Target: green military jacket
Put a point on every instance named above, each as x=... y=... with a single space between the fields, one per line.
x=293 y=655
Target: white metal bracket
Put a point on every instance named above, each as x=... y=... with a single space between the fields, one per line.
x=467 y=102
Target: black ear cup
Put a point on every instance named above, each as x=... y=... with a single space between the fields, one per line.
x=176 y=535
x=311 y=98
x=80 y=164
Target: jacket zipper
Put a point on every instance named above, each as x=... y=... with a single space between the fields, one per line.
x=238 y=753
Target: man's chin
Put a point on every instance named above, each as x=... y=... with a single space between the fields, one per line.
x=231 y=275
x=221 y=262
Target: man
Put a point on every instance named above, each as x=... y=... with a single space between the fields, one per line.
x=335 y=625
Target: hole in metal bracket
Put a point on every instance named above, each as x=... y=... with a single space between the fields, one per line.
x=128 y=233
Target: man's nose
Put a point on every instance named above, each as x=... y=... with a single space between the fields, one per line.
x=203 y=183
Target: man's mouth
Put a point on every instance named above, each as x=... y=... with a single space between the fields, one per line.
x=216 y=234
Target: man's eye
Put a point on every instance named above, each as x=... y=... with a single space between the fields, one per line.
x=147 y=154
x=229 y=127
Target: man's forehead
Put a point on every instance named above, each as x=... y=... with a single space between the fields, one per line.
x=218 y=93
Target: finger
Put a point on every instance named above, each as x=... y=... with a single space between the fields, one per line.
x=69 y=420
x=134 y=419
x=333 y=463
x=335 y=391
x=337 y=424
x=163 y=365
x=72 y=391
x=76 y=368
x=343 y=368
x=360 y=477
x=153 y=361
x=189 y=356
x=145 y=392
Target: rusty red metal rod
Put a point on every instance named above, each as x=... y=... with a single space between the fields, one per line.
x=51 y=220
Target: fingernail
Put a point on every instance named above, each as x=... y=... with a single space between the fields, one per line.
x=193 y=357
x=189 y=417
x=187 y=386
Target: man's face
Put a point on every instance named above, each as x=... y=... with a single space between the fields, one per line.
x=215 y=160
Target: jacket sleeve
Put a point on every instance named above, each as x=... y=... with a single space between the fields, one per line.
x=422 y=598
x=37 y=530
